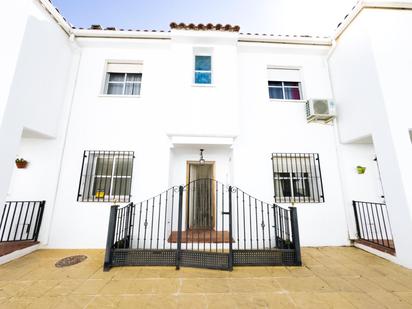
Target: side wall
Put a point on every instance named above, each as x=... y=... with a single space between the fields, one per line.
x=37 y=107
x=370 y=73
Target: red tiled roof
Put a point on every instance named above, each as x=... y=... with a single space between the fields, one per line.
x=191 y=26
x=203 y=27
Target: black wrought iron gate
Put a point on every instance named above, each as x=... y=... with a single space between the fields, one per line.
x=203 y=224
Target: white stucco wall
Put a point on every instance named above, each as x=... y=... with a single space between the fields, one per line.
x=270 y=126
x=111 y=123
x=369 y=71
x=237 y=106
x=358 y=187
x=36 y=108
x=51 y=82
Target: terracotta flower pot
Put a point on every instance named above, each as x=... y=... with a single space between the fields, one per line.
x=22 y=164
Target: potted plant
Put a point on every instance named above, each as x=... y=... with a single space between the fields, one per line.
x=361 y=169
x=21 y=163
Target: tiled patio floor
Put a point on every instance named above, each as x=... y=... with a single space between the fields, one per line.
x=330 y=278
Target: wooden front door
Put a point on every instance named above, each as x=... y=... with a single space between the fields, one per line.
x=200 y=195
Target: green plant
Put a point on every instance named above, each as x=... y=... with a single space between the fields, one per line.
x=361 y=169
x=21 y=163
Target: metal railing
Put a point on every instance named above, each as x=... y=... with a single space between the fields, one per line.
x=21 y=220
x=202 y=224
x=373 y=224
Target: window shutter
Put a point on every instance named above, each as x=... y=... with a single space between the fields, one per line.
x=284 y=75
x=124 y=67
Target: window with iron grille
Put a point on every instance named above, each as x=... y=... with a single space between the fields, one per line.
x=106 y=176
x=297 y=178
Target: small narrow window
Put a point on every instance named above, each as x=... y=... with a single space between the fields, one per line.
x=123 y=79
x=297 y=178
x=203 y=70
x=284 y=84
x=106 y=176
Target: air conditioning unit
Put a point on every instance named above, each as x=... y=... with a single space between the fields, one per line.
x=320 y=110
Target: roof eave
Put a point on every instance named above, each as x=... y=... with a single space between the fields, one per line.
x=126 y=34
x=368 y=4
x=285 y=40
x=55 y=14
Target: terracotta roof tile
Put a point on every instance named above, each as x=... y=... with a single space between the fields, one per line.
x=95 y=27
x=346 y=16
x=203 y=27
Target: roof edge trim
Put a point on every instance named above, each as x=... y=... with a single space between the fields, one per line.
x=368 y=4
x=89 y=33
x=286 y=40
x=55 y=14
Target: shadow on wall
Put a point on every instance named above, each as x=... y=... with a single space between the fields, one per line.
x=38 y=88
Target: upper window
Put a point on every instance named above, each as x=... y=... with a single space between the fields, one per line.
x=123 y=79
x=106 y=176
x=203 y=70
x=297 y=178
x=284 y=84
x=284 y=90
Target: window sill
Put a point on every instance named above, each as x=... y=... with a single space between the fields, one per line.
x=287 y=101
x=203 y=85
x=119 y=96
x=302 y=202
x=113 y=202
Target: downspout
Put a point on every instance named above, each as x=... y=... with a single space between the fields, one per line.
x=78 y=54
x=336 y=144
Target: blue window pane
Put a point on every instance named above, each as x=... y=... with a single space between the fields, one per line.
x=116 y=77
x=273 y=83
x=115 y=88
x=292 y=93
x=293 y=84
x=203 y=63
x=275 y=93
x=131 y=77
x=203 y=77
x=132 y=89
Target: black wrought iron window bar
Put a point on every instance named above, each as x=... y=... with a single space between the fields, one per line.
x=297 y=178
x=106 y=176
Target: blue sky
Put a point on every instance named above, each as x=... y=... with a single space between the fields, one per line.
x=262 y=16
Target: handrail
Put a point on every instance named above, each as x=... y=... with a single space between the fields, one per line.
x=21 y=220
x=373 y=224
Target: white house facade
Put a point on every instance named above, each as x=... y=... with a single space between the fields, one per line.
x=111 y=116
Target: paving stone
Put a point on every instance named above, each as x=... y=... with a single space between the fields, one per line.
x=389 y=300
x=320 y=300
x=330 y=278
